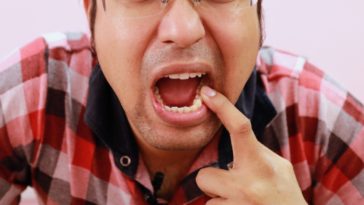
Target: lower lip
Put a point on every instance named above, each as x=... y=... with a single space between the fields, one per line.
x=180 y=119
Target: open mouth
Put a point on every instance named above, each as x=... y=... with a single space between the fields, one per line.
x=175 y=93
x=180 y=93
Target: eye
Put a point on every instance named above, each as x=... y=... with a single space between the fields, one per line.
x=225 y=4
x=126 y=9
x=127 y=3
x=222 y=1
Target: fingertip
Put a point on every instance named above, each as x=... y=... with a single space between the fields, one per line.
x=206 y=100
x=211 y=98
x=204 y=97
x=208 y=91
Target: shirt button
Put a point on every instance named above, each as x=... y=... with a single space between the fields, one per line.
x=125 y=161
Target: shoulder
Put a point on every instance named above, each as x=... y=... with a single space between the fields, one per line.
x=310 y=104
x=33 y=76
x=49 y=55
x=278 y=67
x=294 y=80
x=70 y=62
x=34 y=59
x=33 y=56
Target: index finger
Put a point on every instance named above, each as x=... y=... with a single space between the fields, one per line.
x=244 y=143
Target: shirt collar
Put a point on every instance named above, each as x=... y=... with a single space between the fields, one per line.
x=106 y=118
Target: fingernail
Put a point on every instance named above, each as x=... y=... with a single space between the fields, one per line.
x=208 y=91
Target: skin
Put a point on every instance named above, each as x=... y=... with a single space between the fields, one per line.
x=258 y=176
x=131 y=50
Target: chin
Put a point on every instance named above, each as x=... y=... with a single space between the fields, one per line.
x=164 y=137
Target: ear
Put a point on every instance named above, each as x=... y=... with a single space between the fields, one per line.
x=87 y=6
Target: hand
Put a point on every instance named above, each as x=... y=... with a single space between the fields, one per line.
x=258 y=176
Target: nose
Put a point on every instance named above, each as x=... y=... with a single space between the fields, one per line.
x=181 y=25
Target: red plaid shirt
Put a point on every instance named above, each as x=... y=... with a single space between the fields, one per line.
x=49 y=139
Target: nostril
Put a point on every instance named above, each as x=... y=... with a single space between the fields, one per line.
x=181 y=25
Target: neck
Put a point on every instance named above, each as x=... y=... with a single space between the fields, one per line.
x=173 y=164
x=162 y=160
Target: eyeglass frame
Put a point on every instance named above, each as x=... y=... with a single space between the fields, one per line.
x=166 y=3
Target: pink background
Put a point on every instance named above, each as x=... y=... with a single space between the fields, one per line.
x=329 y=32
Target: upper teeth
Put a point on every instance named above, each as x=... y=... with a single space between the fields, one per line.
x=184 y=76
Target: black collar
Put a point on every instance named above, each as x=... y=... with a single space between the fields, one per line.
x=107 y=119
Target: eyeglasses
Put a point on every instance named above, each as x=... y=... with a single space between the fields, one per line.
x=131 y=9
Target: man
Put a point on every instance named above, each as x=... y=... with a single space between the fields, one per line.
x=160 y=125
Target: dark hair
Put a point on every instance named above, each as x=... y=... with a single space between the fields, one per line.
x=261 y=22
x=92 y=24
x=93 y=17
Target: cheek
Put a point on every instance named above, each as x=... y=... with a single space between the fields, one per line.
x=238 y=41
x=120 y=52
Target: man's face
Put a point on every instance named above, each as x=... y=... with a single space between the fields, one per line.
x=136 y=55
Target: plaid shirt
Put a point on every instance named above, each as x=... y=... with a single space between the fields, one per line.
x=70 y=153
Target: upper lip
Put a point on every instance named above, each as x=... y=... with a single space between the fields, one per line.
x=181 y=68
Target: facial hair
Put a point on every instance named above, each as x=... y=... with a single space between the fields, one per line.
x=161 y=135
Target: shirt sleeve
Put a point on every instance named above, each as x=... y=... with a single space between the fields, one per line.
x=23 y=89
x=339 y=174
x=331 y=122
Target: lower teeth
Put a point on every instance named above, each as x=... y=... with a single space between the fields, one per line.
x=197 y=103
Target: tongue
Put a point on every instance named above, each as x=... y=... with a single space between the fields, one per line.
x=176 y=92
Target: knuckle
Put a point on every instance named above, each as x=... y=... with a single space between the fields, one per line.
x=238 y=187
x=215 y=201
x=239 y=190
x=202 y=176
x=287 y=167
x=287 y=164
x=267 y=172
x=264 y=169
x=244 y=127
x=257 y=190
x=211 y=202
